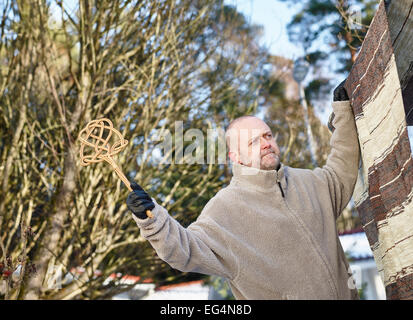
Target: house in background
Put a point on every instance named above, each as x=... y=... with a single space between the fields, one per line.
x=362 y=264
x=192 y=290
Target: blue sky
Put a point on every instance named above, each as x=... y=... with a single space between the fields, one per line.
x=274 y=16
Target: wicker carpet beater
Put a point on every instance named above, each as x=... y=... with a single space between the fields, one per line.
x=97 y=135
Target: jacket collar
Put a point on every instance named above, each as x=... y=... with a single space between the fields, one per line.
x=261 y=180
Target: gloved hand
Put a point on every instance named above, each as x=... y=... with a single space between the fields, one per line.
x=340 y=93
x=138 y=201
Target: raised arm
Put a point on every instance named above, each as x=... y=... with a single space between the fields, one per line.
x=341 y=169
x=199 y=248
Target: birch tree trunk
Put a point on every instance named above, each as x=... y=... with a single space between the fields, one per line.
x=380 y=89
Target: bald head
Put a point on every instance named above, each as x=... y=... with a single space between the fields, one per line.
x=233 y=125
x=250 y=142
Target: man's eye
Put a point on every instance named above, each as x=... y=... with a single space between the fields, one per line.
x=254 y=141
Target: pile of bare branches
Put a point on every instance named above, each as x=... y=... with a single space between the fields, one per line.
x=143 y=64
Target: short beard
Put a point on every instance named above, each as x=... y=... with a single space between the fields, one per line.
x=274 y=166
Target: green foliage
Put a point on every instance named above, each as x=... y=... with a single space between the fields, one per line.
x=337 y=28
x=331 y=33
x=317 y=89
x=221 y=288
x=362 y=291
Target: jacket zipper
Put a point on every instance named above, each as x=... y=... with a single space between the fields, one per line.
x=282 y=191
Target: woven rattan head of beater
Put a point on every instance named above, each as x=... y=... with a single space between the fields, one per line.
x=96 y=130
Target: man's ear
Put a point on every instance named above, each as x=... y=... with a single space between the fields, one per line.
x=233 y=156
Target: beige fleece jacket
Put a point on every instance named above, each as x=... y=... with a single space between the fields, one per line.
x=272 y=234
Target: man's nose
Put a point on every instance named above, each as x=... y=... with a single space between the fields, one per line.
x=265 y=144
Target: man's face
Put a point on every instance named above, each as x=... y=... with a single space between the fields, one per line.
x=256 y=145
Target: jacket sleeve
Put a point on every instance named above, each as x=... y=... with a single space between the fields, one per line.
x=199 y=248
x=341 y=168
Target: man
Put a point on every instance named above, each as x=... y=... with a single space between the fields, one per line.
x=272 y=231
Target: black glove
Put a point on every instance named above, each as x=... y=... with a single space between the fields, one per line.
x=340 y=94
x=139 y=201
x=330 y=122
